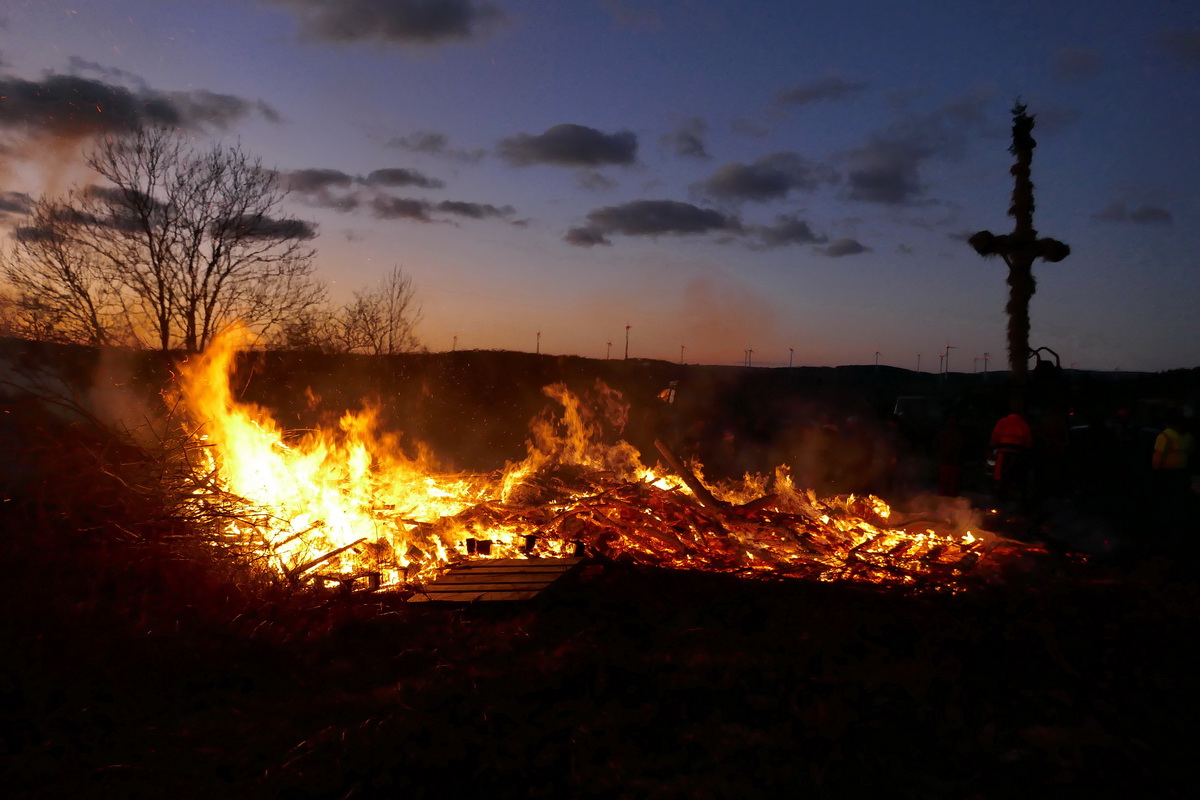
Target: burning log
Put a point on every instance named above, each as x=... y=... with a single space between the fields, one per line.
x=699 y=489
x=297 y=571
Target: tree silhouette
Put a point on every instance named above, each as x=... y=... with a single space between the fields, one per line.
x=175 y=242
x=1022 y=247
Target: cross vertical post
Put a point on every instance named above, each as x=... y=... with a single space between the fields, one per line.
x=1020 y=248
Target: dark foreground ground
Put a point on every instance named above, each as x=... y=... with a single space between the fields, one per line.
x=633 y=682
x=131 y=670
x=132 y=665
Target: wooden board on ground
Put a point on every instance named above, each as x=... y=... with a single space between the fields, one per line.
x=495 y=580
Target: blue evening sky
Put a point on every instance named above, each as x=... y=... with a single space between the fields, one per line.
x=721 y=176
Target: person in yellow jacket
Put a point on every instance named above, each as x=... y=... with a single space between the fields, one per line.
x=1172 y=459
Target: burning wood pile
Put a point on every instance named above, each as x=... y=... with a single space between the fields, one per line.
x=348 y=506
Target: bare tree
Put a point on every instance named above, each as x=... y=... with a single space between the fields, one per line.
x=58 y=291
x=316 y=330
x=382 y=321
x=191 y=239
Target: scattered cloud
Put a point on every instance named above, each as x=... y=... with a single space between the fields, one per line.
x=393 y=21
x=341 y=191
x=1118 y=211
x=218 y=110
x=388 y=207
x=14 y=203
x=435 y=144
x=80 y=66
x=787 y=230
x=569 y=145
x=320 y=181
x=770 y=177
x=687 y=140
x=399 y=176
x=33 y=234
x=586 y=237
x=307 y=181
x=1183 y=46
x=843 y=247
x=650 y=218
x=270 y=228
x=474 y=210
x=72 y=107
x=830 y=87
x=1076 y=63
x=594 y=180
x=887 y=170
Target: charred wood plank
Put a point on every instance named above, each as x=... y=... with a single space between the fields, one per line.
x=496 y=580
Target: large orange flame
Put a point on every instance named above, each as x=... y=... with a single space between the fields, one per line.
x=347 y=502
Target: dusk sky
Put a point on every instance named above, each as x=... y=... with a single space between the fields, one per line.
x=722 y=176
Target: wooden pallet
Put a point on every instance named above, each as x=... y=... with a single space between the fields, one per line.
x=495 y=580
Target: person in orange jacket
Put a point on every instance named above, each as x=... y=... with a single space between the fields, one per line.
x=1011 y=441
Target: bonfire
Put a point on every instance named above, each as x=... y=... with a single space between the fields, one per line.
x=349 y=505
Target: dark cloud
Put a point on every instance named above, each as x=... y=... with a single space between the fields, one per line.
x=318 y=180
x=315 y=180
x=1076 y=63
x=768 y=178
x=1181 y=45
x=202 y=107
x=650 y=218
x=687 y=140
x=435 y=144
x=474 y=210
x=33 y=235
x=14 y=203
x=831 y=87
x=1118 y=211
x=585 y=237
x=392 y=21
x=1151 y=215
x=71 y=106
x=116 y=198
x=269 y=228
x=568 y=145
x=77 y=65
x=387 y=207
x=787 y=230
x=340 y=191
x=593 y=180
x=886 y=170
x=843 y=247
x=399 y=176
